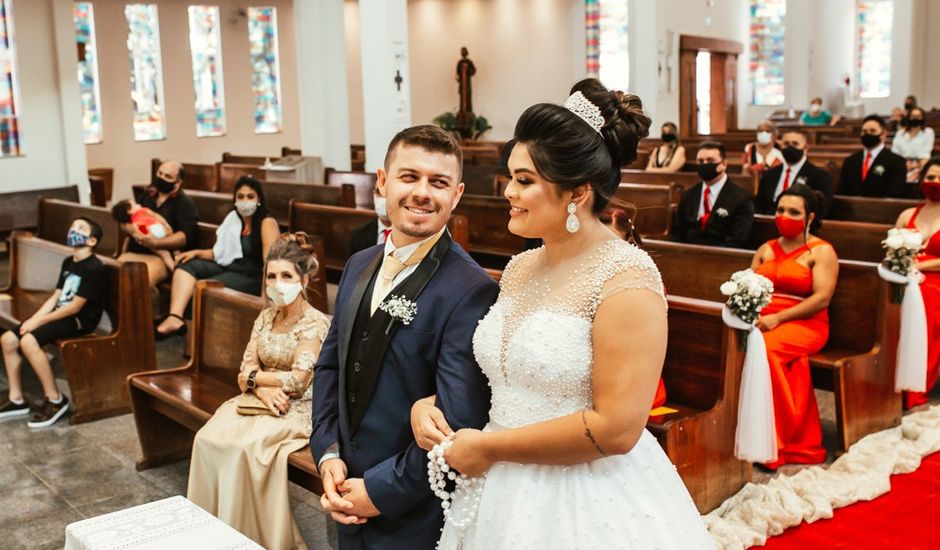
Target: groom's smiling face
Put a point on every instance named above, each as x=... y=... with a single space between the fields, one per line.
x=423 y=188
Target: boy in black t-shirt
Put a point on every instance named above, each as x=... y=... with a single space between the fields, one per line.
x=73 y=309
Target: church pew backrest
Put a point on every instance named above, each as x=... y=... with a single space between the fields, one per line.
x=683 y=180
x=653 y=207
x=489 y=221
x=478 y=178
x=204 y=177
x=20 y=209
x=851 y=240
x=364 y=182
x=212 y=206
x=55 y=217
x=230 y=172
x=246 y=159
x=102 y=189
x=278 y=196
x=868 y=209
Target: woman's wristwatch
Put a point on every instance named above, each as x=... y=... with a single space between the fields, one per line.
x=250 y=382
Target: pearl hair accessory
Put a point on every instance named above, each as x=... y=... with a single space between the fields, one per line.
x=590 y=113
x=468 y=488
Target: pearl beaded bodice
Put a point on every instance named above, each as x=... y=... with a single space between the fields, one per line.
x=535 y=346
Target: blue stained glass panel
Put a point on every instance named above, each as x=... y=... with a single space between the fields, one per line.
x=265 y=76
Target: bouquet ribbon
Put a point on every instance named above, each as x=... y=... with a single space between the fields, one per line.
x=911 y=372
x=755 y=438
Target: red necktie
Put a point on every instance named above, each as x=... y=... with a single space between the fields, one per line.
x=866 y=165
x=707 y=209
x=786 y=179
x=385 y=234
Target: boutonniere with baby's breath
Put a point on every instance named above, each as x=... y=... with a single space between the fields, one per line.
x=801 y=180
x=722 y=213
x=879 y=170
x=400 y=309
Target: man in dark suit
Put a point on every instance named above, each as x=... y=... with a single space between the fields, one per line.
x=405 y=316
x=376 y=231
x=795 y=169
x=874 y=171
x=714 y=212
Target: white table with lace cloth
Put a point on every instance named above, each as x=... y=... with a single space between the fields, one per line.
x=173 y=522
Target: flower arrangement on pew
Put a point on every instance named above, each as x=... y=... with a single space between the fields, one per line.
x=755 y=438
x=901 y=246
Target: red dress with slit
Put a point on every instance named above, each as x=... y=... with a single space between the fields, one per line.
x=789 y=345
x=930 y=289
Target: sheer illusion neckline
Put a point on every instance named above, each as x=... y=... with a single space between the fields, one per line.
x=542 y=262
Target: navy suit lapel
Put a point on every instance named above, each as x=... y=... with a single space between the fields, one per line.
x=351 y=307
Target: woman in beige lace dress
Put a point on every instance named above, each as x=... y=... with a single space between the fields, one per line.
x=238 y=469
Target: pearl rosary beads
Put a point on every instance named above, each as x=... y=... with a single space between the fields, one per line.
x=468 y=489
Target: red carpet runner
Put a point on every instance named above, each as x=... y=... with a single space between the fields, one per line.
x=905 y=517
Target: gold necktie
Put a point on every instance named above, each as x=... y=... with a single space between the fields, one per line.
x=392 y=266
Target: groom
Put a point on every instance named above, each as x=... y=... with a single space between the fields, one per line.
x=403 y=329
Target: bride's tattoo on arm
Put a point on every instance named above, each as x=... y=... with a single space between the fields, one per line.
x=589 y=435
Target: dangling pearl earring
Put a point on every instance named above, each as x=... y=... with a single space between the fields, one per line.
x=572 y=224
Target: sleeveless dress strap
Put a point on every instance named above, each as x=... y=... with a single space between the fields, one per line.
x=911 y=222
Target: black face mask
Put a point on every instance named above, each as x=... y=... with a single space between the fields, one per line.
x=908 y=106
x=915 y=122
x=870 y=140
x=163 y=186
x=708 y=171
x=669 y=138
x=792 y=155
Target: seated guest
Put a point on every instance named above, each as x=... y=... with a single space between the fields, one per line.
x=147 y=222
x=238 y=469
x=816 y=115
x=804 y=270
x=763 y=154
x=165 y=197
x=796 y=168
x=926 y=219
x=241 y=241
x=914 y=142
x=873 y=171
x=376 y=231
x=713 y=212
x=73 y=309
x=670 y=156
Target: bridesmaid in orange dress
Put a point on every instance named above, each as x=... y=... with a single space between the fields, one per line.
x=926 y=219
x=804 y=270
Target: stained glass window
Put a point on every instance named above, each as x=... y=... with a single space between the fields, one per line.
x=84 y=18
x=767 y=51
x=873 y=42
x=265 y=74
x=9 y=130
x=607 y=42
x=205 y=44
x=143 y=43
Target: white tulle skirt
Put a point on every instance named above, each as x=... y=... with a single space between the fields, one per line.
x=631 y=501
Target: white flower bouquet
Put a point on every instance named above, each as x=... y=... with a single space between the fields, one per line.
x=901 y=247
x=748 y=293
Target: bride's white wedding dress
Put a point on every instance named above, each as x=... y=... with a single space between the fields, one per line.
x=534 y=345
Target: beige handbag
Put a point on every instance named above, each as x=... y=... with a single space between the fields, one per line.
x=249 y=404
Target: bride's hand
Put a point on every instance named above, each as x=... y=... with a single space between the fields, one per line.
x=467 y=455
x=428 y=423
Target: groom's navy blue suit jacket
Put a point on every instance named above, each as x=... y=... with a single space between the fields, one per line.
x=431 y=355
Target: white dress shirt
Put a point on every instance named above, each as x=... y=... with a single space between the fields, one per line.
x=713 y=191
x=874 y=154
x=917 y=147
x=794 y=170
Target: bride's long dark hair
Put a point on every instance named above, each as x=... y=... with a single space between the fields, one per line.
x=568 y=152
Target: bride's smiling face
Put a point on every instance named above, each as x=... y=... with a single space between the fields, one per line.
x=537 y=206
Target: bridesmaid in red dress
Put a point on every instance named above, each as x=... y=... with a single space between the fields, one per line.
x=804 y=270
x=926 y=219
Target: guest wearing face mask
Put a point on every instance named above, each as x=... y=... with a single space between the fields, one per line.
x=796 y=169
x=376 y=231
x=670 y=156
x=713 y=212
x=804 y=270
x=238 y=470
x=73 y=309
x=241 y=241
x=816 y=115
x=914 y=142
x=873 y=171
x=763 y=154
x=925 y=218
x=165 y=197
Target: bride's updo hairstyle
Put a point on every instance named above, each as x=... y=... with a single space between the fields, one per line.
x=568 y=152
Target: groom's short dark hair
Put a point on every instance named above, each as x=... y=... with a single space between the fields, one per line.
x=430 y=138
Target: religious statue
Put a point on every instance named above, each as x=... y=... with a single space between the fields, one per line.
x=465 y=70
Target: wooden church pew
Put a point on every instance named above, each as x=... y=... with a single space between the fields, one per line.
x=204 y=177
x=851 y=240
x=20 y=209
x=55 y=218
x=867 y=209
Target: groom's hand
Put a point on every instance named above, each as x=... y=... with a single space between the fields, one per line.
x=333 y=474
x=354 y=490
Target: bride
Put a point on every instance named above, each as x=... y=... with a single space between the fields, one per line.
x=573 y=350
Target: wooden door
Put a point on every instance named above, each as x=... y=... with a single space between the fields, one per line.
x=688 y=108
x=723 y=86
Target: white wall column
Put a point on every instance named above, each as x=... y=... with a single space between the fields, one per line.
x=321 y=81
x=385 y=77
x=73 y=138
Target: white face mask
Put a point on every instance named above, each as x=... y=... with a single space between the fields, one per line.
x=283 y=294
x=246 y=208
x=763 y=137
x=815 y=107
x=381 y=206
